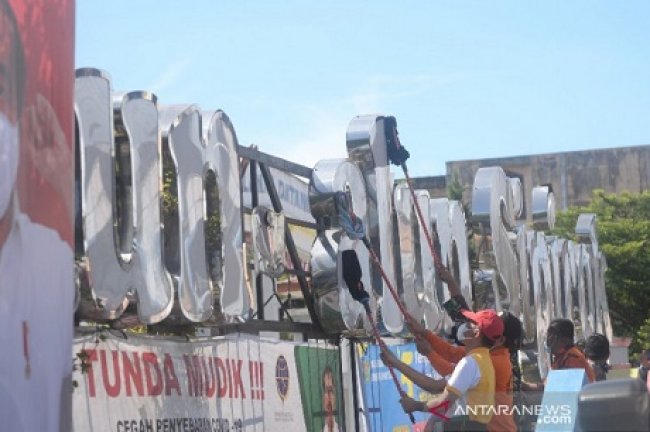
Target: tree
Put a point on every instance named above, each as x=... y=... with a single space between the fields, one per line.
x=641 y=341
x=455 y=189
x=623 y=227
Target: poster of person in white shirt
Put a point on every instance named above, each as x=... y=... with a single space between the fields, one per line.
x=319 y=377
x=36 y=234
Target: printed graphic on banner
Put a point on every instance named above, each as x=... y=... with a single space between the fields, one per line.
x=220 y=384
x=380 y=397
x=320 y=387
x=36 y=169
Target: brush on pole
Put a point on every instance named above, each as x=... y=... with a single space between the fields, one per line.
x=352 y=277
x=398 y=155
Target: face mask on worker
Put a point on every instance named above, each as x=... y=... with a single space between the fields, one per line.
x=8 y=161
x=460 y=333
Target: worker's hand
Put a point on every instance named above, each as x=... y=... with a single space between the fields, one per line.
x=388 y=357
x=415 y=327
x=409 y=404
x=526 y=386
x=423 y=346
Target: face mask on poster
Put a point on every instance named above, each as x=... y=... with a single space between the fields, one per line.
x=8 y=161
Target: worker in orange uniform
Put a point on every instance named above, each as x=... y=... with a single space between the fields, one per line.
x=472 y=378
x=564 y=353
x=444 y=356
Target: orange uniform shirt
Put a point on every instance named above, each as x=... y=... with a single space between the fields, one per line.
x=573 y=358
x=502 y=390
x=443 y=358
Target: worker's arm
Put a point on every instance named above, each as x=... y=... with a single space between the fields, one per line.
x=456 y=303
x=410 y=405
x=424 y=337
x=466 y=375
x=419 y=379
x=445 y=275
x=450 y=352
x=441 y=365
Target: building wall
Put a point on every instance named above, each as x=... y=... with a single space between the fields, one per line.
x=572 y=175
x=436 y=185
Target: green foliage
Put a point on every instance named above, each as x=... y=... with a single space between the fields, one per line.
x=455 y=188
x=623 y=224
x=170 y=189
x=642 y=340
x=213 y=227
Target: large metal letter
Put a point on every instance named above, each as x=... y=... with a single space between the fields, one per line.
x=543 y=286
x=493 y=210
x=558 y=254
x=561 y=264
x=586 y=232
x=525 y=245
x=543 y=208
x=138 y=266
x=220 y=143
x=585 y=292
x=409 y=244
x=572 y=306
x=449 y=222
x=336 y=308
x=366 y=144
x=603 y=305
x=139 y=116
x=459 y=249
x=433 y=313
x=181 y=133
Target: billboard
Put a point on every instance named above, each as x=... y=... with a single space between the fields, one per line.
x=36 y=194
x=379 y=395
x=214 y=384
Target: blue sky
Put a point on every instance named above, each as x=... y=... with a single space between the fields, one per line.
x=465 y=79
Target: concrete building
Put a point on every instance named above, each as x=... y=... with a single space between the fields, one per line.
x=572 y=175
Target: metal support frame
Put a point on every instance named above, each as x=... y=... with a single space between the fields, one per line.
x=283 y=305
x=355 y=395
x=259 y=287
x=291 y=246
x=253 y=154
x=263 y=161
x=256 y=326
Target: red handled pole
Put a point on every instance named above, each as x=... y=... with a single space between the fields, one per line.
x=391 y=288
x=437 y=262
x=383 y=346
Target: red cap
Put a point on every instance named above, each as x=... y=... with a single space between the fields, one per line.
x=488 y=322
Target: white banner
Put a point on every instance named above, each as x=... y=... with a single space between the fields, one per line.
x=217 y=384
